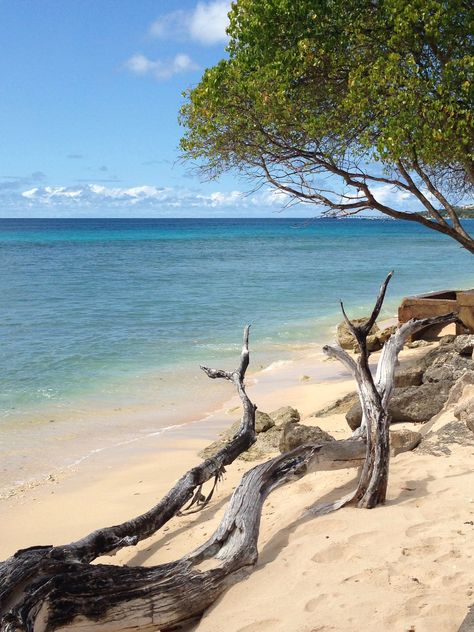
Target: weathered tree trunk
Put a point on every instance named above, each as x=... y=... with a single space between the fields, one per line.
x=374 y=395
x=44 y=589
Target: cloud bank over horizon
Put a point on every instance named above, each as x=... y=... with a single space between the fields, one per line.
x=92 y=199
x=30 y=197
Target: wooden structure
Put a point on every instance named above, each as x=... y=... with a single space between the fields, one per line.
x=459 y=302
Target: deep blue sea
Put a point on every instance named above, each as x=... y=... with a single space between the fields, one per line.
x=110 y=313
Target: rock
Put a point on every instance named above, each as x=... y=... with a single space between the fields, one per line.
x=284 y=415
x=344 y=337
x=339 y=407
x=447 y=340
x=464 y=345
x=429 y=358
x=403 y=440
x=373 y=343
x=263 y=422
x=385 y=334
x=447 y=367
x=294 y=435
x=411 y=403
x=266 y=443
x=416 y=344
x=410 y=376
x=465 y=412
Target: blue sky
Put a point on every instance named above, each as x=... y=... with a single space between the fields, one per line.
x=89 y=97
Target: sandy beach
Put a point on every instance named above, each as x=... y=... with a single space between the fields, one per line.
x=405 y=566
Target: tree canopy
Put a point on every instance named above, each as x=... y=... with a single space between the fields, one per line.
x=329 y=101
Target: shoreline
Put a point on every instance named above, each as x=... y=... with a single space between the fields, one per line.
x=183 y=423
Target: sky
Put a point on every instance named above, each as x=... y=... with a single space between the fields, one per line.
x=89 y=97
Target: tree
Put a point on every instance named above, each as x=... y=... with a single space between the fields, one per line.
x=329 y=101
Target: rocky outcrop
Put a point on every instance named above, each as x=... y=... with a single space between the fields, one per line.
x=375 y=340
x=422 y=390
x=339 y=407
x=294 y=435
x=285 y=415
x=464 y=345
x=346 y=340
x=268 y=427
x=410 y=403
x=410 y=376
x=263 y=422
x=465 y=412
x=404 y=440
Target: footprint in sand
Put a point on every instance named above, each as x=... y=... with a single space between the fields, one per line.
x=359 y=539
x=260 y=626
x=451 y=555
x=418 y=529
x=312 y=604
x=330 y=554
x=426 y=545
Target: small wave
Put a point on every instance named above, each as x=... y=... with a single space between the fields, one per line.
x=278 y=364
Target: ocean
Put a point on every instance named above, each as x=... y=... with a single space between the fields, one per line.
x=108 y=320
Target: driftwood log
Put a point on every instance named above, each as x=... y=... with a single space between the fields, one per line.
x=56 y=588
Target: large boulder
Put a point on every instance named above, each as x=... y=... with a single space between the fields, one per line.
x=285 y=415
x=294 y=435
x=410 y=376
x=338 y=407
x=411 y=403
x=464 y=345
x=346 y=340
x=263 y=422
x=447 y=367
x=404 y=440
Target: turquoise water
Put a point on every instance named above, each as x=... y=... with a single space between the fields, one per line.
x=90 y=304
x=113 y=314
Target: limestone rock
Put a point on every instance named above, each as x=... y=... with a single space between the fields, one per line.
x=416 y=344
x=447 y=367
x=263 y=422
x=385 y=334
x=284 y=415
x=411 y=376
x=404 y=440
x=339 y=407
x=373 y=343
x=464 y=345
x=294 y=435
x=411 y=403
x=465 y=412
x=266 y=443
x=344 y=337
x=447 y=340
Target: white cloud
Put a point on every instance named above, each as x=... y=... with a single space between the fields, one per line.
x=209 y=22
x=140 y=65
x=142 y=198
x=205 y=24
x=388 y=194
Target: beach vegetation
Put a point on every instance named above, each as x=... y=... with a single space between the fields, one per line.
x=355 y=106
